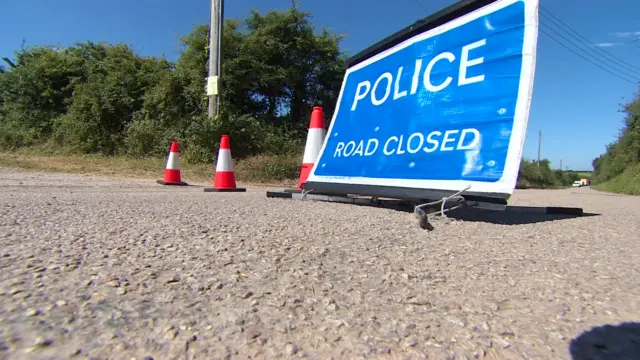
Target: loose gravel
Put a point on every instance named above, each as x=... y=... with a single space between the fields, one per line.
x=101 y=268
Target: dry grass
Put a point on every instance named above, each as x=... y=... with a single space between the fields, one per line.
x=263 y=170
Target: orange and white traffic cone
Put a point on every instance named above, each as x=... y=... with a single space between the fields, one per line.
x=225 y=178
x=172 y=170
x=315 y=138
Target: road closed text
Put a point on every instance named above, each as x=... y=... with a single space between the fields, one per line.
x=449 y=140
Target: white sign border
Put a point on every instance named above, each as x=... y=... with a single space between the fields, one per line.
x=507 y=182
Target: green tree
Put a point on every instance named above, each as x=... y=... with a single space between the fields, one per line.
x=104 y=98
x=34 y=92
x=274 y=69
x=103 y=105
x=297 y=68
x=535 y=174
x=625 y=151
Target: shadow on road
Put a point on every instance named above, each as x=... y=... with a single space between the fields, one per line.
x=608 y=342
x=508 y=217
x=511 y=216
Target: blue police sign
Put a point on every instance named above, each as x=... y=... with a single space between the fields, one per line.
x=442 y=110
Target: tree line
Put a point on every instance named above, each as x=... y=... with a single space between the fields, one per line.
x=540 y=175
x=100 y=98
x=620 y=163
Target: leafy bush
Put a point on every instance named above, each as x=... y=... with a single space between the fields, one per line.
x=98 y=98
x=623 y=154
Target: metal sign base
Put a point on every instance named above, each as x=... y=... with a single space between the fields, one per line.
x=423 y=208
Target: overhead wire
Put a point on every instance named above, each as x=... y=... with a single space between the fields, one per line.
x=421 y=5
x=597 y=57
x=574 y=34
x=600 y=66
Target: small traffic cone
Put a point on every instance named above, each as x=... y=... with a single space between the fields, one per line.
x=172 y=170
x=315 y=138
x=225 y=178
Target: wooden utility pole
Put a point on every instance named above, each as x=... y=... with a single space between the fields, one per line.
x=215 y=44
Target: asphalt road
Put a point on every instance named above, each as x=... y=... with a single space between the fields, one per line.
x=111 y=268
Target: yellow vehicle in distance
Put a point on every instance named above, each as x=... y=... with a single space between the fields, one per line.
x=582 y=182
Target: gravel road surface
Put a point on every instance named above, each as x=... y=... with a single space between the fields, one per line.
x=98 y=268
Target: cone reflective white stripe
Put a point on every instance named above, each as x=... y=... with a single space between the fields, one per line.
x=224 y=179
x=315 y=138
x=224 y=160
x=172 y=162
x=172 y=169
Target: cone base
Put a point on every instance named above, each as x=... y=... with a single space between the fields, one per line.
x=305 y=170
x=162 y=182
x=224 y=190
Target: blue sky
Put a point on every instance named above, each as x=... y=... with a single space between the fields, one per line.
x=575 y=103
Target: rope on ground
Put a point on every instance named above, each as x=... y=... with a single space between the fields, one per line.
x=419 y=212
x=304 y=193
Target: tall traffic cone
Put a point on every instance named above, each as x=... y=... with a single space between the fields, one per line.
x=225 y=178
x=315 y=138
x=172 y=170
